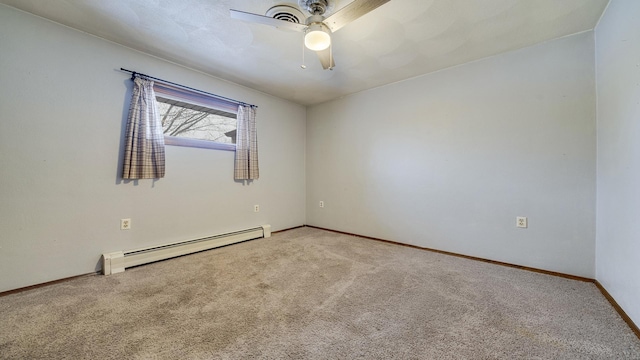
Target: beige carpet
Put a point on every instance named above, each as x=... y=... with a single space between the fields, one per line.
x=312 y=294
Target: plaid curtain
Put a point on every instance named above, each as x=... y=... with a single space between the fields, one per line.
x=144 y=148
x=246 y=167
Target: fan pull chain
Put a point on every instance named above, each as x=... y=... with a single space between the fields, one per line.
x=331 y=56
x=303 y=66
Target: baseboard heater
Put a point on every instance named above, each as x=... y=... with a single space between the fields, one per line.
x=116 y=262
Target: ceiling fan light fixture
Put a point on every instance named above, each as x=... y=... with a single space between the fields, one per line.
x=317 y=37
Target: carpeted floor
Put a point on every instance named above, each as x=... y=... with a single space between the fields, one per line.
x=312 y=294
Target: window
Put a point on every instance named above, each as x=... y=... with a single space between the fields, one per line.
x=193 y=119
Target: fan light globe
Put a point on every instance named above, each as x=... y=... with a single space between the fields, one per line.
x=317 y=38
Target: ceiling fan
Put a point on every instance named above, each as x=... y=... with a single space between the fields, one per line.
x=317 y=28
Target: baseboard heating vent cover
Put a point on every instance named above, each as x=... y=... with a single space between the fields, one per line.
x=116 y=262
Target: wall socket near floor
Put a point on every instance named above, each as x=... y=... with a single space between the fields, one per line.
x=125 y=224
x=521 y=222
x=321 y=203
x=256 y=208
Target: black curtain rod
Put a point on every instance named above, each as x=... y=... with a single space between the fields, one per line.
x=134 y=73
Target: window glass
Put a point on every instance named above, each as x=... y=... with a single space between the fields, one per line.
x=194 y=120
x=188 y=121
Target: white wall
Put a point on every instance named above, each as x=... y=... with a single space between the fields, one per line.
x=62 y=116
x=618 y=197
x=449 y=159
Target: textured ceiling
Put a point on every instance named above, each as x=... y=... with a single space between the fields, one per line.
x=399 y=40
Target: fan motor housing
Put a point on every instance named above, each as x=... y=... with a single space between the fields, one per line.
x=315 y=7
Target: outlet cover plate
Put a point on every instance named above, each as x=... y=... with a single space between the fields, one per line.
x=521 y=222
x=125 y=224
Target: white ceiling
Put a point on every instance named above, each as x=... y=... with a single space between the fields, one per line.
x=399 y=40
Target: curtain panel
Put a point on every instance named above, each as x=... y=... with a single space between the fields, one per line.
x=246 y=161
x=144 y=140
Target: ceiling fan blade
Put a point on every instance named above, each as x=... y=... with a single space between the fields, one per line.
x=351 y=12
x=265 y=20
x=326 y=59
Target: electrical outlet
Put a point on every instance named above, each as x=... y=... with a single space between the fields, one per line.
x=521 y=222
x=256 y=208
x=125 y=224
x=321 y=203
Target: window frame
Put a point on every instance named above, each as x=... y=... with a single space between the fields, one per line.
x=221 y=106
x=197 y=143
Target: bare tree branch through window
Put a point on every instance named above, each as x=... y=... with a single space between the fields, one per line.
x=183 y=122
